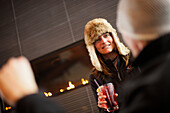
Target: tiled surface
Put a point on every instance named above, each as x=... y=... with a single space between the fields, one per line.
x=6 y=14
x=38 y=45
x=78 y=101
x=43 y=28
x=26 y=6
x=40 y=20
x=81 y=14
x=8 y=37
x=8 y=42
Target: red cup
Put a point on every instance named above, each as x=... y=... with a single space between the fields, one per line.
x=109 y=91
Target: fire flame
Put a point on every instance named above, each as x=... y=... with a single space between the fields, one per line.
x=7 y=108
x=71 y=86
x=48 y=94
x=84 y=81
x=61 y=90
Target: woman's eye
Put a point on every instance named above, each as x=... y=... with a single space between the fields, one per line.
x=97 y=40
x=106 y=35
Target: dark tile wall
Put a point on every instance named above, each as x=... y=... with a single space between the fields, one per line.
x=79 y=100
x=8 y=36
x=34 y=28
x=80 y=12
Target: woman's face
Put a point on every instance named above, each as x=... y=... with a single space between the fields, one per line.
x=105 y=44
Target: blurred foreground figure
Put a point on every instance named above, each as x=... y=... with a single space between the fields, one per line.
x=145 y=27
x=19 y=89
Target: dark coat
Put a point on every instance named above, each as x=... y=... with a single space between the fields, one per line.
x=149 y=91
x=118 y=77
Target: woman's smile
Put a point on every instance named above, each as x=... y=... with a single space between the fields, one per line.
x=106 y=46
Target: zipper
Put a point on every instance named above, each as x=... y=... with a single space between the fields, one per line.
x=139 y=69
x=118 y=74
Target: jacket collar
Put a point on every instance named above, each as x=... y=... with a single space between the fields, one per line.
x=153 y=50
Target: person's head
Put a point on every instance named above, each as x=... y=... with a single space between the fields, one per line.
x=101 y=38
x=142 y=21
x=105 y=44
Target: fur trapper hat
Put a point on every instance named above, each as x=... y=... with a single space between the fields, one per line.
x=93 y=30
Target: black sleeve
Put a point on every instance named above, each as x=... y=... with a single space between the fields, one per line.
x=37 y=103
x=94 y=88
x=93 y=85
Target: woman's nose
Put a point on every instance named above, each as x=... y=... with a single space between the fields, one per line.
x=103 y=39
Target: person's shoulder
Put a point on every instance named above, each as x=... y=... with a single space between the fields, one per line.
x=165 y=62
x=92 y=76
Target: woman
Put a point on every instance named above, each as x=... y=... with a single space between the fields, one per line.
x=108 y=55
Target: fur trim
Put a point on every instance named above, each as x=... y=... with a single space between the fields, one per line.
x=93 y=57
x=93 y=30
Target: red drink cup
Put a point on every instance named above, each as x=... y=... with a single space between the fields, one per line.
x=109 y=91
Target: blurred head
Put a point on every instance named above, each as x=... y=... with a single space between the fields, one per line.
x=101 y=36
x=140 y=21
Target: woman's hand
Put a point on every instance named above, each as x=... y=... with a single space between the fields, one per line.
x=102 y=103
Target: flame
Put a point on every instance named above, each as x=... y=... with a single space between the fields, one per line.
x=46 y=94
x=61 y=90
x=50 y=94
x=84 y=81
x=7 y=108
x=71 y=86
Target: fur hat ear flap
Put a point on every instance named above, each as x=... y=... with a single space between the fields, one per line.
x=93 y=57
x=122 y=49
x=120 y=46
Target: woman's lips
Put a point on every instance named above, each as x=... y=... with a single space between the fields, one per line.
x=106 y=46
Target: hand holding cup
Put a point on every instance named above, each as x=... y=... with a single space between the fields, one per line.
x=107 y=97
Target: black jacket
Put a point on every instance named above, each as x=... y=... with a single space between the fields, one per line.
x=118 y=77
x=149 y=91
